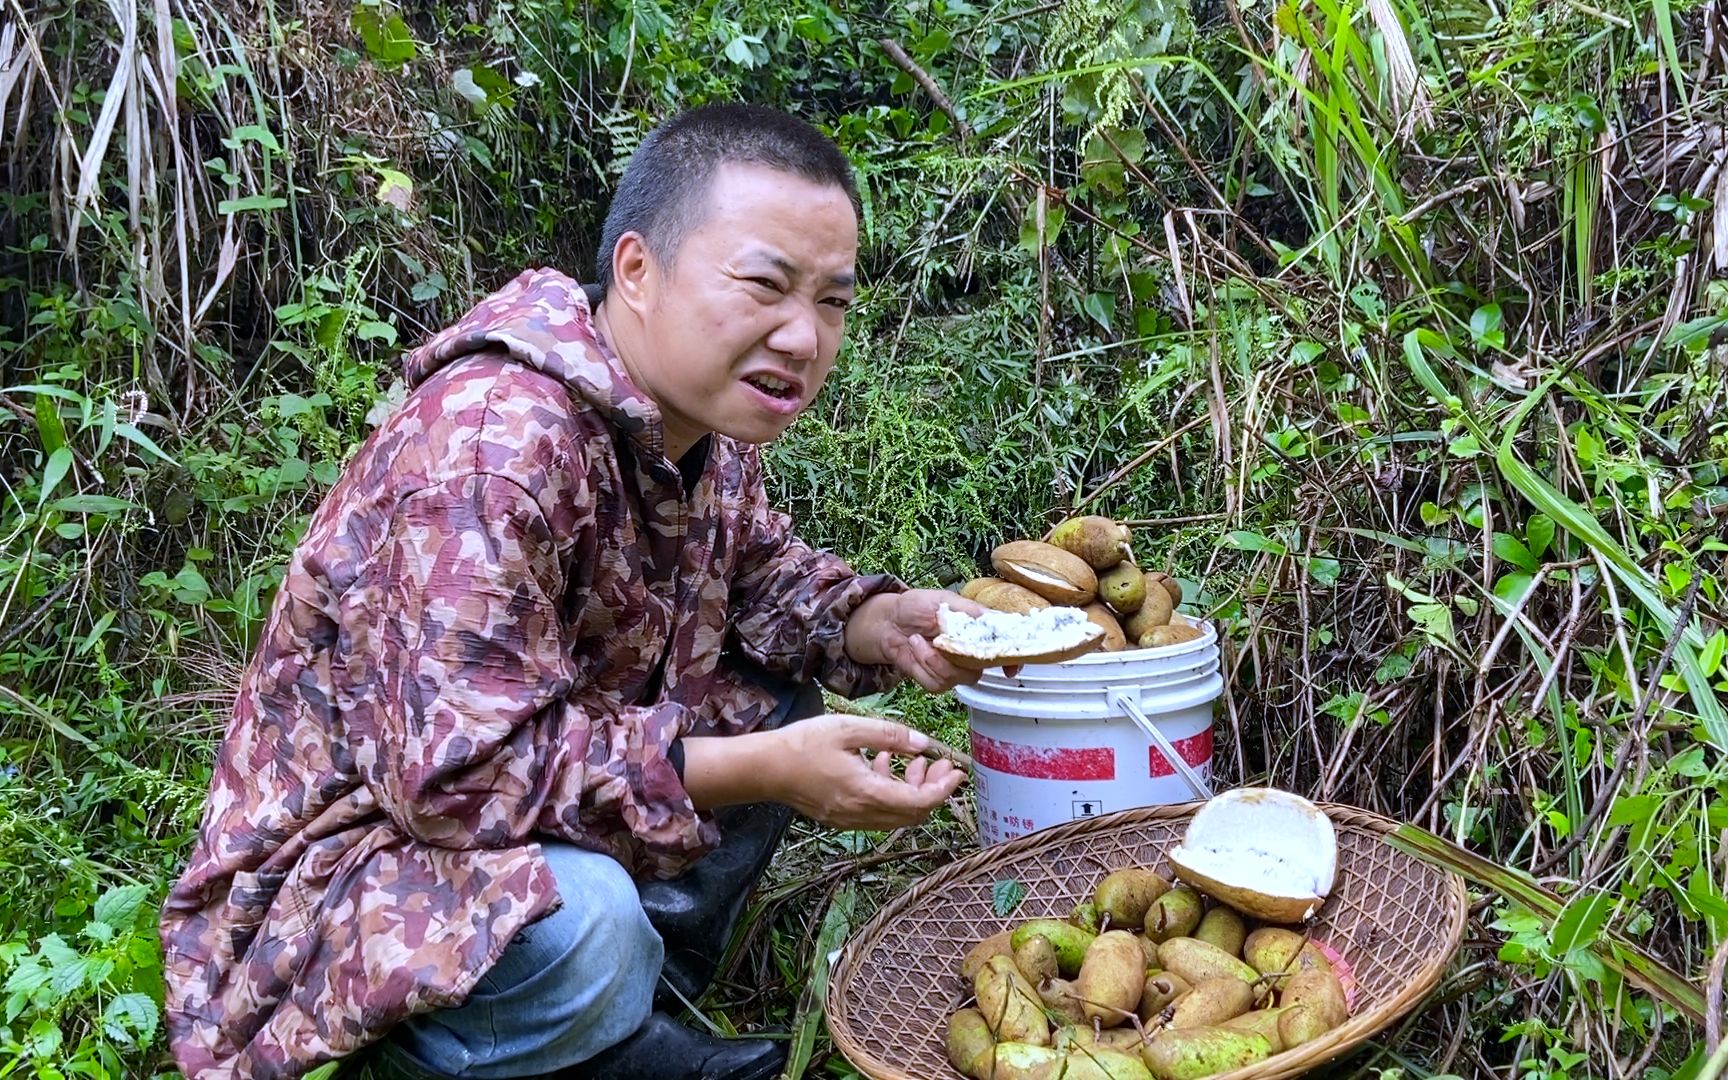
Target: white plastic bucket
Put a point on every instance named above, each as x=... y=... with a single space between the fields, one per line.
x=1058 y=742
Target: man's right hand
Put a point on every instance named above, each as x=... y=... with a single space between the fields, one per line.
x=824 y=776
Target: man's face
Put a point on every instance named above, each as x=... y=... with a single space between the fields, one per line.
x=740 y=332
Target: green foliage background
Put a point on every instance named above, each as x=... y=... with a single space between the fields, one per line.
x=1395 y=327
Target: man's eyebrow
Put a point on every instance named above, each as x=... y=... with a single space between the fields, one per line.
x=844 y=280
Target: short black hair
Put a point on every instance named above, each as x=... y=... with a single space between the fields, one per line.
x=661 y=193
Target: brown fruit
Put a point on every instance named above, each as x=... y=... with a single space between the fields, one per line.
x=1102 y=1062
x=1085 y=916
x=979 y=955
x=1114 y=639
x=1100 y=541
x=1010 y=1006
x=1160 y=990
x=1197 y=1053
x=1224 y=928
x=972 y=588
x=1262 y=1022
x=1273 y=950
x=1171 y=585
x=1224 y=853
x=970 y=1043
x=1154 y=611
x=1211 y=1002
x=1061 y=998
x=1036 y=959
x=1023 y=1061
x=1069 y=941
x=1160 y=636
x=1175 y=914
x=1007 y=596
x=1123 y=587
x=1198 y=961
x=1125 y=895
x=1058 y=576
x=1298 y=1024
x=1319 y=990
x=1112 y=977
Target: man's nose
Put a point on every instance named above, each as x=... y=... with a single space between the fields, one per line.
x=797 y=335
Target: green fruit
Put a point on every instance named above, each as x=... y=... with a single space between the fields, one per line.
x=1298 y=1024
x=1262 y=1022
x=1010 y=1006
x=1124 y=896
x=970 y=1043
x=1104 y=1063
x=1085 y=916
x=1198 y=961
x=1162 y=989
x=1036 y=959
x=1069 y=940
x=1211 y=1002
x=1123 y=587
x=1099 y=540
x=1021 y=1061
x=1197 y=1053
x=1272 y=950
x=1174 y=914
x=1224 y=928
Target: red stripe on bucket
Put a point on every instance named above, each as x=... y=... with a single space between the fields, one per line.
x=1195 y=750
x=1044 y=762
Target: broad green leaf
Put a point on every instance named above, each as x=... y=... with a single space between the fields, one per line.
x=1633 y=809
x=119 y=906
x=1253 y=541
x=257 y=133
x=1416 y=342
x=138 y=438
x=131 y=1018
x=1710 y=657
x=1435 y=620
x=54 y=471
x=1511 y=549
x=385 y=35
x=1538 y=534
x=377 y=331
x=1581 y=921
x=91 y=504
x=1325 y=571
x=1006 y=896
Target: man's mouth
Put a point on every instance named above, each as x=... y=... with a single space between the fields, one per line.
x=773 y=387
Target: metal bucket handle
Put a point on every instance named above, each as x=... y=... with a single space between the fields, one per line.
x=1129 y=702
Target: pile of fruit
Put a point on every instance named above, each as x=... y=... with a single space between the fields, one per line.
x=1086 y=563
x=1174 y=980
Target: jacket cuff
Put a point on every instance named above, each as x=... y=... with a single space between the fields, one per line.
x=837 y=671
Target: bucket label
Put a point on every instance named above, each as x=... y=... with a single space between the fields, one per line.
x=1196 y=750
x=1052 y=762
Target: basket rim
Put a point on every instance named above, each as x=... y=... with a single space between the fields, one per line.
x=1359 y=1028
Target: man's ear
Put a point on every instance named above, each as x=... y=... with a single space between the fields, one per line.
x=634 y=273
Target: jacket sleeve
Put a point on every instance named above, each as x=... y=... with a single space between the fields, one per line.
x=790 y=602
x=473 y=739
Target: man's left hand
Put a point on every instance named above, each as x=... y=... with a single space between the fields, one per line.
x=897 y=629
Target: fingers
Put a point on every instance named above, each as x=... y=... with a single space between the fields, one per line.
x=875 y=733
x=959 y=603
x=933 y=671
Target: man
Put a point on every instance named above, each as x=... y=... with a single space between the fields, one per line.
x=468 y=812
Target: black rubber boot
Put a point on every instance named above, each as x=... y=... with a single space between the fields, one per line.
x=697 y=913
x=664 y=1049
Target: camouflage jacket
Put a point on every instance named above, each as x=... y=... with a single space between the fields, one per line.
x=497 y=622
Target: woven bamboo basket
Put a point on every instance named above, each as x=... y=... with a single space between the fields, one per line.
x=1395 y=920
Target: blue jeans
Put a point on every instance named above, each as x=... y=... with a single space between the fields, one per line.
x=567 y=987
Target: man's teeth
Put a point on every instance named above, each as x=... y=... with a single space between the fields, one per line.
x=769 y=382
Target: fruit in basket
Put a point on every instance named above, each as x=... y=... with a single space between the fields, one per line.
x=972 y=588
x=1112 y=977
x=979 y=955
x=1114 y=639
x=1173 y=634
x=1103 y=1063
x=1010 y=1006
x=1036 y=959
x=1201 y=1052
x=970 y=1043
x=1318 y=990
x=996 y=638
x=1262 y=1022
x=1062 y=998
x=999 y=595
x=1085 y=916
x=1125 y=895
x=1265 y=852
x=1100 y=541
x=1069 y=940
x=1170 y=585
x=1211 y=1002
x=1175 y=914
x=1123 y=587
x=1224 y=928
x=1057 y=575
x=1153 y=612
x=1273 y=950
x=1198 y=961
x=1161 y=990
x=1024 y=1061
x=1081 y=1036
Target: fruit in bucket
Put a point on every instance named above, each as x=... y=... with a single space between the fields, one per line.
x=1265 y=852
x=995 y=638
x=1058 y=576
x=1123 y=587
x=1099 y=540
